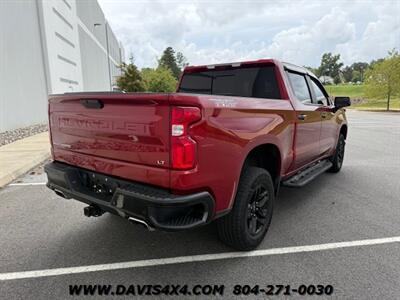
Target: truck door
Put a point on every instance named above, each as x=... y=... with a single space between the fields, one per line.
x=308 y=122
x=329 y=127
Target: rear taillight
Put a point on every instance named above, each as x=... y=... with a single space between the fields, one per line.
x=183 y=147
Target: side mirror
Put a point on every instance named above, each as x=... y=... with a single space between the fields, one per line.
x=342 y=102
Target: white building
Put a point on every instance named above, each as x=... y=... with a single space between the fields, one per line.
x=48 y=47
x=326 y=79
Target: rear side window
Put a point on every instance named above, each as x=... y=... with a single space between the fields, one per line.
x=319 y=94
x=257 y=82
x=300 y=87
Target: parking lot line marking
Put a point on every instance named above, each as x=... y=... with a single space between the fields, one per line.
x=27 y=183
x=191 y=259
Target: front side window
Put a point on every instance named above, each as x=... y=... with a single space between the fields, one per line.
x=258 y=82
x=319 y=94
x=300 y=87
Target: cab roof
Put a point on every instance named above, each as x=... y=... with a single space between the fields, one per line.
x=259 y=62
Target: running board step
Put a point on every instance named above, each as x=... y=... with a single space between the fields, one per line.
x=303 y=177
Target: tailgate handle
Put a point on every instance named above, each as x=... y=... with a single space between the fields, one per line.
x=92 y=103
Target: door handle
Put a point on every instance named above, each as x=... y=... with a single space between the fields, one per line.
x=302 y=117
x=324 y=115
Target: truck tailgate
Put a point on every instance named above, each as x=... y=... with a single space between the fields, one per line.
x=125 y=135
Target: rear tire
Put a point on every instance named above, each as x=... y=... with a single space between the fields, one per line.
x=338 y=157
x=247 y=223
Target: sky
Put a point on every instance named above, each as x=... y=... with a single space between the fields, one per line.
x=209 y=32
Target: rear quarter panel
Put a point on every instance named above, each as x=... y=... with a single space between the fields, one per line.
x=230 y=128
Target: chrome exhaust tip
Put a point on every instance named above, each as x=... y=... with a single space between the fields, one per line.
x=141 y=222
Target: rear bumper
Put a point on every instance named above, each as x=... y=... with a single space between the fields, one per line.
x=157 y=207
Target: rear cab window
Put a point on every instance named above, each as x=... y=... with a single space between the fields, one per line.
x=257 y=82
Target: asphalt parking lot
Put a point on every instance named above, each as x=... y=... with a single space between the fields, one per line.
x=41 y=231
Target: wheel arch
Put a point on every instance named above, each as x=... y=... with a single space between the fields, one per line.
x=268 y=157
x=343 y=130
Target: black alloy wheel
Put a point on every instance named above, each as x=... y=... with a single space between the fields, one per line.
x=338 y=157
x=257 y=211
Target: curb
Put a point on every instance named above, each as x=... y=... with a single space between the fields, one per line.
x=6 y=179
x=375 y=110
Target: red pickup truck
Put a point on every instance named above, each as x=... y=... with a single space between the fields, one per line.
x=217 y=149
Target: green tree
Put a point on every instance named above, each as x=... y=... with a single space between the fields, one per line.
x=330 y=66
x=130 y=80
x=375 y=61
x=356 y=76
x=314 y=70
x=383 y=79
x=168 y=61
x=347 y=73
x=159 y=80
x=360 y=67
x=181 y=60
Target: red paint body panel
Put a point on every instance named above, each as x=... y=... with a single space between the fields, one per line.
x=231 y=127
x=130 y=136
x=125 y=138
